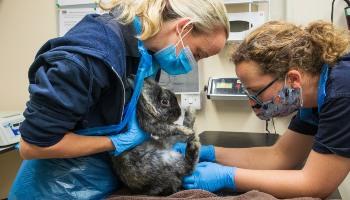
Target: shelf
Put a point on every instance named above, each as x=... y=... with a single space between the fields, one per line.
x=7 y=149
x=227 y=97
x=74 y=2
x=245 y=1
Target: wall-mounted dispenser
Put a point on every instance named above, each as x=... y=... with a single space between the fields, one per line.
x=242 y=23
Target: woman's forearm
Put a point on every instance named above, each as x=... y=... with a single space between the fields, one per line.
x=70 y=146
x=320 y=176
x=251 y=158
x=279 y=183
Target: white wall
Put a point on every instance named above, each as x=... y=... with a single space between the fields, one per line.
x=303 y=12
x=24 y=27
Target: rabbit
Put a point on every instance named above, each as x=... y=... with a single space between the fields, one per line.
x=153 y=168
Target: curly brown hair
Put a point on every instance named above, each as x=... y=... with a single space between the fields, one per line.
x=280 y=46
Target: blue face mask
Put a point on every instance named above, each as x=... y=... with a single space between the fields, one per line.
x=173 y=64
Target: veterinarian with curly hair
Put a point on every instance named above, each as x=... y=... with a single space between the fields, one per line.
x=287 y=68
x=78 y=82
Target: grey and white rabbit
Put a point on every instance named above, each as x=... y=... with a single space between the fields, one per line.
x=153 y=168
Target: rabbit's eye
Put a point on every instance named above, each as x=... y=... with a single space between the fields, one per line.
x=164 y=102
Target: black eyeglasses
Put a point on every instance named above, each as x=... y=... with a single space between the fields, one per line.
x=254 y=97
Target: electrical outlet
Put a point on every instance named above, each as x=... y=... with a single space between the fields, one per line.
x=191 y=100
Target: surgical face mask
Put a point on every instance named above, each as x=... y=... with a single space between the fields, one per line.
x=173 y=64
x=287 y=101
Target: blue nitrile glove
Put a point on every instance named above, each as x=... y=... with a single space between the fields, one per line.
x=206 y=153
x=129 y=139
x=211 y=177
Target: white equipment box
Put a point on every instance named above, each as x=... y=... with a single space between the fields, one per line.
x=225 y=89
x=9 y=128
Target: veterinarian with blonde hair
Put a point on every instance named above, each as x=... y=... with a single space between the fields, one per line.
x=287 y=68
x=77 y=85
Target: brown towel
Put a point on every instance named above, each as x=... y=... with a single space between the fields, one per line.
x=201 y=195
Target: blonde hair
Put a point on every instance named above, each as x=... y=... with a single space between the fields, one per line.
x=205 y=15
x=280 y=46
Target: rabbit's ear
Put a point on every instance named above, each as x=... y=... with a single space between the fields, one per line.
x=130 y=82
